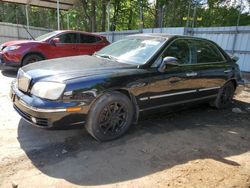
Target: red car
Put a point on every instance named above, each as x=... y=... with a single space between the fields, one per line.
x=51 y=45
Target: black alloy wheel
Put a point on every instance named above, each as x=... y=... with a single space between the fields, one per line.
x=110 y=116
x=113 y=118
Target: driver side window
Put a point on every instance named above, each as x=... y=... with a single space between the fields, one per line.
x=180 y=50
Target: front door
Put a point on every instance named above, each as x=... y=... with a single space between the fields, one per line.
x=177 y=84
x=66 y=46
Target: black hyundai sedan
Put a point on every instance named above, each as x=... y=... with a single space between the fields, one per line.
x=108 y=91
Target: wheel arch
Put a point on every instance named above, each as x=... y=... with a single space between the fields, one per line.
x=32 y=53
x=233 y=81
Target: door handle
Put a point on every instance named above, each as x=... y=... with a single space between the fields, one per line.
x=228 y=71
x=191 y=74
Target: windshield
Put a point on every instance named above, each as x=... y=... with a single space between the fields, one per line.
x=132 y=50
x=46 y=36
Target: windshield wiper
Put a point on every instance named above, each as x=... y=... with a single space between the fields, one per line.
x=106 y=56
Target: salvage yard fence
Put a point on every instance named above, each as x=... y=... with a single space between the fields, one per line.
x=10 y=32
x=235 y=40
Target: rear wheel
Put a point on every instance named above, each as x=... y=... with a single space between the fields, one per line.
x=110 y=116
x=225 y=96
x=31 y=59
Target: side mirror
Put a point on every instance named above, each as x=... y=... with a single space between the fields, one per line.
x=235 y=58
x=168 y=61
x=55 y=41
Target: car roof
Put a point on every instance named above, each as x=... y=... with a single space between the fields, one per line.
x=75 y=31
x=165 y=36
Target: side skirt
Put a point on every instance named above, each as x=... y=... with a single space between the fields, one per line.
x=180 y=102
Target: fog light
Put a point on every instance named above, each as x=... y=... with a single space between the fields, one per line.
x=33 y=119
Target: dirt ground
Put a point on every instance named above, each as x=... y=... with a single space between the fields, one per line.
x=195 y=147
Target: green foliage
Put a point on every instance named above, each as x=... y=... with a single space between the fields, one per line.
x=91 y=15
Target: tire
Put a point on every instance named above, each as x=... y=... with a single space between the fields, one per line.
x=110 y=116
x=31 y=59
x=225 y=96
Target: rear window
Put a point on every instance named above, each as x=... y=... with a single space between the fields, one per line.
x=89 y=38
x=207 y=52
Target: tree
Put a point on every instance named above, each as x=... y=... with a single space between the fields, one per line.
x=93 y=15
x=104 y=10
x=90 y=15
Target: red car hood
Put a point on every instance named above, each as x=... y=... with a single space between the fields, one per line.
x=16 y=42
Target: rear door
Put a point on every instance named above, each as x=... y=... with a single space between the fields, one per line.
x=88 y=44
x=66 y=46
x=210 y=65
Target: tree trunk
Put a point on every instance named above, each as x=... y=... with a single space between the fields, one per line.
x=173 y=24
x=158 y=14
x=86 y=15
x=93 y=15
x=115 y=15
x=130 y=16
x=104 y=9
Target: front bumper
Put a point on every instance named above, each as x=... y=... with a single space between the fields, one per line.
x=240 y=87
x=5 y=61
x=49 y=114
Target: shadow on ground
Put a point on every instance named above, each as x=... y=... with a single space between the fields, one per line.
x=9 y=71
x=154 y=144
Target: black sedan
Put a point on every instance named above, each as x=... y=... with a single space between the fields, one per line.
x=108 y=91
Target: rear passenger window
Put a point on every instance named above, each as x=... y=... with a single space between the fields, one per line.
x=88 y=39
x=68 y=38
x=207 y=52
x=180 y=50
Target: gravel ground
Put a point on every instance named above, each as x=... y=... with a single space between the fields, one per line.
x=195 y=147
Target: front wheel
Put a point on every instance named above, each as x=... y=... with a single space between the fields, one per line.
x=110 y=116
x=225 y=96
x=31 y=59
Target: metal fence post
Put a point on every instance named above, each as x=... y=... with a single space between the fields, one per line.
x=235 y=39
x=236 y=30
x=113 y=36
x=108 y=18
x=27 y=16
x=141 y=18
x=58 y=14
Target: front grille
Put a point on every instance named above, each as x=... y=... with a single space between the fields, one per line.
x=23 y=80
x=39 y=121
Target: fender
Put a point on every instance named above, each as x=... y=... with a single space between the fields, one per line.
x=32 y=52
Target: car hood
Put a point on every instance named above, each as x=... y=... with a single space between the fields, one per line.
x=62 y=69
x=16 y=42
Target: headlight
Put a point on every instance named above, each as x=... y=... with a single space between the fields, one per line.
x=10 y=48
x=48 y=90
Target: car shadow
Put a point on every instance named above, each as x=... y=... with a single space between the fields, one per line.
x=156 y=143
x=9 y=71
